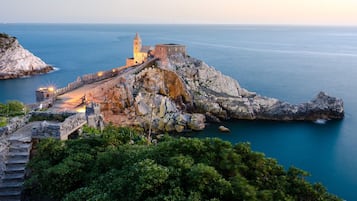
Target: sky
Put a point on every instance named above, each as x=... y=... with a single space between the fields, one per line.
x=293 y=12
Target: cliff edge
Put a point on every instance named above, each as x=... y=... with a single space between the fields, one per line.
x=183 y=93
x=16 y=62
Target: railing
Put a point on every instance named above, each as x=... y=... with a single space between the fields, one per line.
x=88 y=79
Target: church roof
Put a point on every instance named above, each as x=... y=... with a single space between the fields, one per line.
x=137 y=37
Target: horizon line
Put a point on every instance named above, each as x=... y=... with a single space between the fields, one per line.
x=193 y=24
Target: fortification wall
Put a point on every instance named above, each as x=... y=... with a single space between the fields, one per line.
x=79 y=82
x=88 y=79
x=165 y=51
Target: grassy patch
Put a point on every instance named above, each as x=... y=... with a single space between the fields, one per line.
x=3 y=121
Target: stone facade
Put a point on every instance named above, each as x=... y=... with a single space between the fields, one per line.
x=44 y=93
x=93 y=116
x=165 y=51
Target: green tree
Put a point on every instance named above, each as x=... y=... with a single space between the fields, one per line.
x=117 y=164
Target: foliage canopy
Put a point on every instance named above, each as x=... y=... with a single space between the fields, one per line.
x=117 y=164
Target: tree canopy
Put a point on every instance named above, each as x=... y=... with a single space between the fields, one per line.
x=117 y=164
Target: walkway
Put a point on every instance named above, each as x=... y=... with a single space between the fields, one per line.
x=73 y=100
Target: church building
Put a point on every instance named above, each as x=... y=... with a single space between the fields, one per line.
x=161 y=51
x=140 y=52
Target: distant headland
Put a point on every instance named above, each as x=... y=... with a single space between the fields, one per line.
x=16 y=62
x=162 y=88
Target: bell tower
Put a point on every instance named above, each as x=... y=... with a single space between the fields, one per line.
x=136 y=48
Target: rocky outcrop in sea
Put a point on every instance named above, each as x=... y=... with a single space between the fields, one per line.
x=183 y=93
x=16 y=62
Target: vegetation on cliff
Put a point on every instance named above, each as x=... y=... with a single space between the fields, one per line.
x=11 y=109
x=3 y=121
x=6 y=41
x=118 y=164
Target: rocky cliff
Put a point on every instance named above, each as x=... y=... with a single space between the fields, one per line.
x=183 y=93
x=15 y=61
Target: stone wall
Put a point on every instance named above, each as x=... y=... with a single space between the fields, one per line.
x=14 y=124
x=81 y=81
x=87 y=79
x=58 y=130
x=70 y=124
x=165 y=51
x=50 y=116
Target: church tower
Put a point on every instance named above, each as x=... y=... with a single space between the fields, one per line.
x=137 y=48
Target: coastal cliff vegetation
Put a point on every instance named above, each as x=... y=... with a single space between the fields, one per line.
x=12 y=108
x=119 y=164
x=6 y=41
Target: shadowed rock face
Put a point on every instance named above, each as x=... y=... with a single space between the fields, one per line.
x=15 y=61
x=221 y=97
x=183 y=93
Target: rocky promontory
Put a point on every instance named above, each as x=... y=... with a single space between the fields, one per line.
x=183 y=93
x=16 y=62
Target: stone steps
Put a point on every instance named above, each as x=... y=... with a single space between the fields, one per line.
x=15 y=166
x=11 y=186
x=15 y=170
x=19 y=177
x=18 y=156
x=17 y=161
x=10 y=195
x=15 y=149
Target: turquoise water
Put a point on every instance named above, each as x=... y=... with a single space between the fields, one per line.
x=289 y=63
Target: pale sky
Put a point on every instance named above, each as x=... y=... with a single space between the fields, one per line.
x=294 y=12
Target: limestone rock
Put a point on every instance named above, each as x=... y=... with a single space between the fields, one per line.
x=214 y=80
x=181 y=94
x=15 y=61
x=197 y=122
x=224 y=129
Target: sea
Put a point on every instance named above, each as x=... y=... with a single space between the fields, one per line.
x=291 y=63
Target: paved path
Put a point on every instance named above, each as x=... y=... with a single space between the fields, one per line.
x=72 y=100
x=15 y=163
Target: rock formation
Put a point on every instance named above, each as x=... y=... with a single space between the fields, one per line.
x=15 y=61
x=183 y=93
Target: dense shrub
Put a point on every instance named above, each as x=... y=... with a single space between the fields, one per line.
x=117 y=164
x=12 y=108
x=3 y=121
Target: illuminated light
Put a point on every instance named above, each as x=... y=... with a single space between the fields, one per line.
x=113 y=70
x=81 y=109
x=100 y=74
x=51 y=89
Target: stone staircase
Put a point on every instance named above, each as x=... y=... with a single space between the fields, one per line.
x=11 y=184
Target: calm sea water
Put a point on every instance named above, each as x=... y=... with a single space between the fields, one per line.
x=289 y=63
